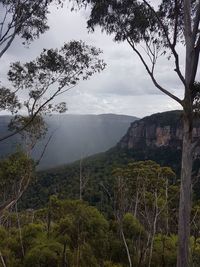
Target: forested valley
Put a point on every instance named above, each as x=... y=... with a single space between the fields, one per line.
x=132 y=221
x=111 y=209
x=135 y=204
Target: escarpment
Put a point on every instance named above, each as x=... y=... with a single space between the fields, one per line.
x=158 y=130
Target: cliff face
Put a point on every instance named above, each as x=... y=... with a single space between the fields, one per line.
x=156 y=131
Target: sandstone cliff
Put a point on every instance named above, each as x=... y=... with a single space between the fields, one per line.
x=160 y=130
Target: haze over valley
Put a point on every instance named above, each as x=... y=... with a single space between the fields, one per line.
x=73 y=137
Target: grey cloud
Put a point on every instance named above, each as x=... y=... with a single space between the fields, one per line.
x=123 y=87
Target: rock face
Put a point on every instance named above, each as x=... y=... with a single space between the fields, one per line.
x=156 y=131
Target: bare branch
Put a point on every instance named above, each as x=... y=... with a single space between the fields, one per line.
x=171 y=46
x=2 y=23
x=152 y=76
x=175 y=24
x=66 y=90
x=106 y=191
x=5 y=36
x=2 y=260
x=7 y=45
x=12 y=201
x=197 y=47
x=45 y=147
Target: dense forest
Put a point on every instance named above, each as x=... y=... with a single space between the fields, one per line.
x=133 y=223
x=138 y=204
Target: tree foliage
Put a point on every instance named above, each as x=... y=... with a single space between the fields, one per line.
x=24 y=18
x=16 y=172
x=55 y=71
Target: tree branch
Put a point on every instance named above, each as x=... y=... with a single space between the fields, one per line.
x=7 y=45
x=152 y=76
x=32 y=117
x=196 y=23
x=2 y=23
x=45 y=147
x=171 y=46
x=175 y=24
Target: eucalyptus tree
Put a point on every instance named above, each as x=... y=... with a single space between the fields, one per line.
x=159 y=29
x=53 y=73
x=24 y=19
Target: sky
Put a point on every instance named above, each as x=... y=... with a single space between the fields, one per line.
x=123 y=87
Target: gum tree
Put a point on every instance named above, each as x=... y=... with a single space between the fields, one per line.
x=24 y=19
x=50 y=75
x=159 y=30
x=40 y=81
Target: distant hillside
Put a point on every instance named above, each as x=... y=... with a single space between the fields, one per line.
x=157 y=137
x=75 y=136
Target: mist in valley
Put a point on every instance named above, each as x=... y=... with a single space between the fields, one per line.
x=72 y=137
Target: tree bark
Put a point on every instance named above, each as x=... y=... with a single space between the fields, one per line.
x=185 y=196
x=183 y=256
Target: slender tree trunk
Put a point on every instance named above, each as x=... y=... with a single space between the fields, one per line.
x=137 y=197
x=126 y=247
x=167 y=208
x=64 y=260
x=2 y=260
x=185 y=196
x=20 y=231
x=154 y=229
x=152 y=241
x=136 y=204
x=147 y=247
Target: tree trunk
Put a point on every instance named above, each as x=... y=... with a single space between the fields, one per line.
x=126 y=247
x=154 y=229
x=20 y=231
x=2 y=260
x=185 y=195
x=64 y=260
x=137 y=197
x=167 y=207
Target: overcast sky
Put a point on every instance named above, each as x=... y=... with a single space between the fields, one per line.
x=123 y=87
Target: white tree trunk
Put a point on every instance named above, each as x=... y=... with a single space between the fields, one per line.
x=126 y=247
x=185 y=198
